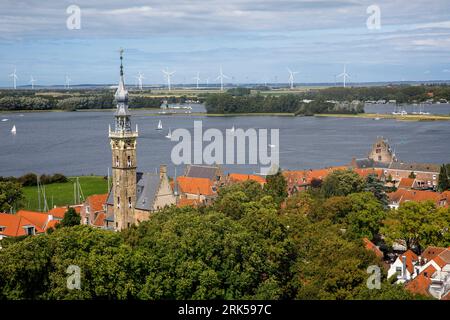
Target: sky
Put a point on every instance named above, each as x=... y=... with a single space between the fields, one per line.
x=254 y=41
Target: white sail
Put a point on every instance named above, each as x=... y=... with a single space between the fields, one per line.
x=13 y=130
x=159 y=125
x=169 y=134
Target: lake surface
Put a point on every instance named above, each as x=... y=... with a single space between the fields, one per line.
x=442 y=108
x=76 y=143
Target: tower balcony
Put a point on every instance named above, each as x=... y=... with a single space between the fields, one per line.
x=123 y=134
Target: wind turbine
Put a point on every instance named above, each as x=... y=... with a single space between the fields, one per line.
x=291 y=77
x=68 y=82
x=32 y=81
x=15 y=77
x=197 y=78
x=168 y=74
x=344 y=75
x=221 y=77
x=140 y=77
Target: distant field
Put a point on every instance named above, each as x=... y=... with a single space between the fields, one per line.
x=61 y=194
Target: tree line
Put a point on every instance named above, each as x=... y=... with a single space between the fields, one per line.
x=252 y=243
x=73 y=100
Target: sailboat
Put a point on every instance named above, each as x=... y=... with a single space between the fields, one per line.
x=4 y=120
x=159 y=125
x=169 y=134
x=13 y=130
x=232 y=130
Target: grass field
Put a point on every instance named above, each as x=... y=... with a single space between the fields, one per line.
x=61 y=194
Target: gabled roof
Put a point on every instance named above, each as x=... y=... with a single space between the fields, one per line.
x=14 y=225
x=38 y=219
x=100 y=220
x=406 y=183
x=410 y=258
x=238 y=177
x=59 y=212
x=403 y=195
x=431 y=252
x=369 y=171
x=96 y=202
x=183 y=202
x=201 y=171
x=201 y=186
x=419 y=285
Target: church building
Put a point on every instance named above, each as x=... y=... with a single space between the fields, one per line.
x=134 y=196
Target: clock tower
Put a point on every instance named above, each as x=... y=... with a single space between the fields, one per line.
x=123 y=146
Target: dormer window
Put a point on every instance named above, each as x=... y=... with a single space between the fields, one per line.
x=2 y=228
x=30 y=230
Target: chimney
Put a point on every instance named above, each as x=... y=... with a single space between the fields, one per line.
x=163 y=171
x=404 y=267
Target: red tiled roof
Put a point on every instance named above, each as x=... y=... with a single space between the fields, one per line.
x=238 y=177
x=183 y=202
x=406 y=183
x=372 y=247
x=38 y=219
x=202 y=186
x=14 y=225
x=96 y=202
x=410 y=257
x=51 y=224
x=368 y=171
x=431 y=252
x=58 y=212
x=306 y=176
x=403 y=195
x=419 y=285
x=100 y=220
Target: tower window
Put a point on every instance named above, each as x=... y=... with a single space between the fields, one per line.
x=129 y=161
x=129 y=202
x=118 y=202
x=117 y=161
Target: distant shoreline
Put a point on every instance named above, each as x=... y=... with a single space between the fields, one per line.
x=409 y=117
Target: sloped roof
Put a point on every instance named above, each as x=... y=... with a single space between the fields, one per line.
x=147 y=187
x=403 y=195
x=183 y=202
x=238 y=177
x=410 y=258
x=431 y=252
x=100 y=220
x=59 y=212
x=201 y=171
x=96 y=202
x=202 y=186
x=369 y=245
x=419 y=285
x=414 y=166
x=14 y=225
x=38 y=219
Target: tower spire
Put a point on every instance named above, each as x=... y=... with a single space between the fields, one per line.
x=121 y=58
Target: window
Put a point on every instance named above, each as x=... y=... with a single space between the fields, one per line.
x=128 y=224
x=86 y=221
x=29 y=231
x=2 y=228
x=379 y=158
x=87 y=209
x=129 y=202
x=117 y=161
x=129 y=162
x=398 y=270
x=118 y=202
x=378 y=151
x=434 y=177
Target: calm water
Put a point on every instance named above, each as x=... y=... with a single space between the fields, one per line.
x=442 y=108
x=76 y=143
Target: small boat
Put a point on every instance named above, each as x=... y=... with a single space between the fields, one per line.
x=169 y=134
x=14 y=130
x=272 y=145
x=4 y=120
x=377 y=118
x=159 y=125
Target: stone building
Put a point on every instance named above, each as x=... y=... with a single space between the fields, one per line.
x=133 y=195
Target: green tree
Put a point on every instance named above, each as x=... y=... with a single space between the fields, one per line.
x=11 y=196
x=342 y=183
x=376 y=186
x=444 y=178
x=276 y=186
x=419 y=224
x=71 y=218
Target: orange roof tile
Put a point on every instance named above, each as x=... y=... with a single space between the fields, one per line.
x=364 y=172
x=410 y=257
x=100 y=220
x=202 y=186
x=419 y=285
x=403 y=195
x=58 y=212
x=38 y=219
x=96 y=202
x=238 y=177
x=431 y=252
x=372 y=247
x=183 y=202
x=14 y=224
x=406 y=183
x=51 y=224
